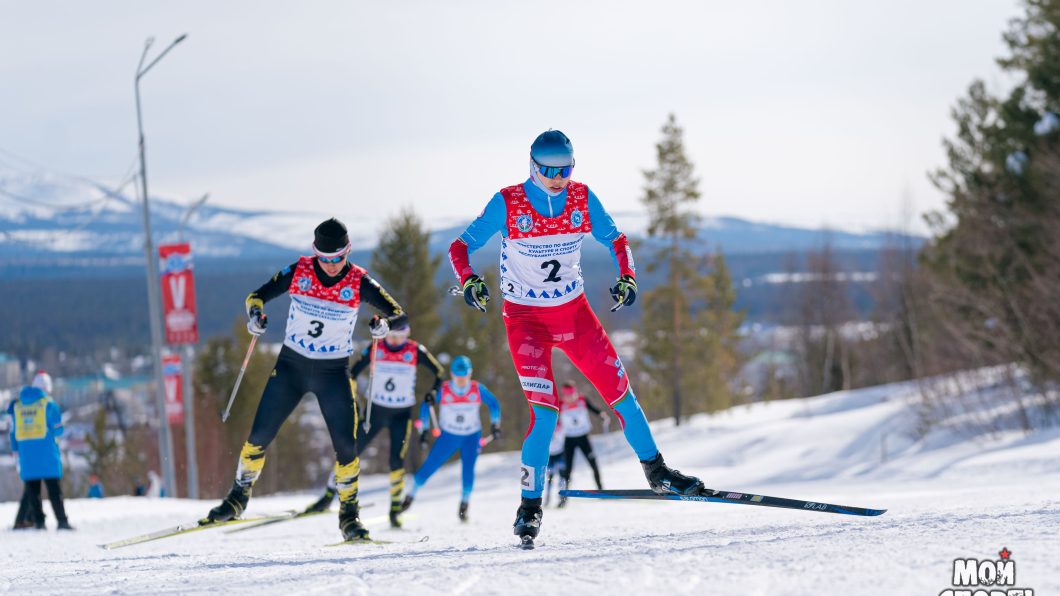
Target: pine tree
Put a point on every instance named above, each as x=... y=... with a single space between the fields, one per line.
x=404 y=266
x=995 y=258
x=670 y=190
x=718 y=325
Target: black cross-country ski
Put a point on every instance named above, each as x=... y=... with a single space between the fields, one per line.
x=178 y=530
x=713 y=496
x=374 y=541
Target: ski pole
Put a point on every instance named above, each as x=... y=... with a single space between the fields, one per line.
x=485 y=441
x=239 y=379
x=456 y=291
x=371 y=381
x=436 y=430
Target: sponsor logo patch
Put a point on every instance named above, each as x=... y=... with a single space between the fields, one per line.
x=536 y=384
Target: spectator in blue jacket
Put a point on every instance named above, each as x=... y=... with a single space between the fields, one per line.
x=95 y=487
x=34 y=436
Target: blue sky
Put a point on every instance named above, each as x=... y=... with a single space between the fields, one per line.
x=824 y=112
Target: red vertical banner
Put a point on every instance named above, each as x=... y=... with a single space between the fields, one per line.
x=178 y=294
x=173 y=381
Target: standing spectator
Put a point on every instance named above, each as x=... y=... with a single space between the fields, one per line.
x=95 y=487
x=34 y=435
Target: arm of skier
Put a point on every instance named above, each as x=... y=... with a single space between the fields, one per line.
x=54 y=419
x=375 y=295
x=491 y=402
x=606 y=232
x=624 y=292
x=428 y=361
x=478 y=232
x=274 y=288
x=592 y=408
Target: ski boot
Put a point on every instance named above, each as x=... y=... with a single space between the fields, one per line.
x=231 y=507
x=665 y=480
x=528 y=522
x=65 y=525
x=323 y=503
x=395 y=510
x=463 y=511
x=350 y=522
x=406 y=503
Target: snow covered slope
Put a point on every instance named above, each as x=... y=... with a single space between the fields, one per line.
x=949 y=495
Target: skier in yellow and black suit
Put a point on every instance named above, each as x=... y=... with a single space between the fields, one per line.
x=326 y=294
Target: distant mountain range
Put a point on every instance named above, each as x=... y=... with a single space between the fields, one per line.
x=55 y=226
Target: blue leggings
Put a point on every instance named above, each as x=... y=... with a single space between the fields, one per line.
x=444 y=447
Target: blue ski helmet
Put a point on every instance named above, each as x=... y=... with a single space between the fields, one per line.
x=552 y=148
x=461 y=366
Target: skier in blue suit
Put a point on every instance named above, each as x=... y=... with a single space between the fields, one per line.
x=459 y=402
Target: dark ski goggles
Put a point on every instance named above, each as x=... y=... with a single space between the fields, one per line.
x=553 y=171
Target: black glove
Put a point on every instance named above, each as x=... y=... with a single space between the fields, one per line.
x=625 y=290
x=495 y=430
x=430 y=397
x=476 y=294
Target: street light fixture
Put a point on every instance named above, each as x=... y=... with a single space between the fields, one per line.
x=154 y=300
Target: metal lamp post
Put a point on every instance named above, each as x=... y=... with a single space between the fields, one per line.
x=189 y=391
x=154 y=301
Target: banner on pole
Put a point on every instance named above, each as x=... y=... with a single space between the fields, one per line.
x=173 y=379
x=178 y=294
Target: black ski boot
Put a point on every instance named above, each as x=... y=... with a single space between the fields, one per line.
x=528 y=521
x=323 y=503
x=350 y=522
x=665 y=480
x=395 y=510
x=406 y=503
x=231 y=507
x=562 y=498
x=65 y=525
x=463 y=511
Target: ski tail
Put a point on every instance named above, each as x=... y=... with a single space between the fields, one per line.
x=174 y=531
x=714 y=496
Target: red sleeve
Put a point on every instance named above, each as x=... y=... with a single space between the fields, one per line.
x=460 y=260
x=623 y=255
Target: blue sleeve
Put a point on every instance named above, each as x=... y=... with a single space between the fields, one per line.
x=55 y=419
x=491 y=402
x=489 y=222
x=425 y=415
x=604 y=229
x=11 y=413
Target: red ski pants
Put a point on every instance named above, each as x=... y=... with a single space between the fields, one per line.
x=572 y=327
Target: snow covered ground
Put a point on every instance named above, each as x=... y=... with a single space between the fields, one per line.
x=948 y=496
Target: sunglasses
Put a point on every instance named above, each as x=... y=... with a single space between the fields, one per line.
x=552 y=171
x=332 y=260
